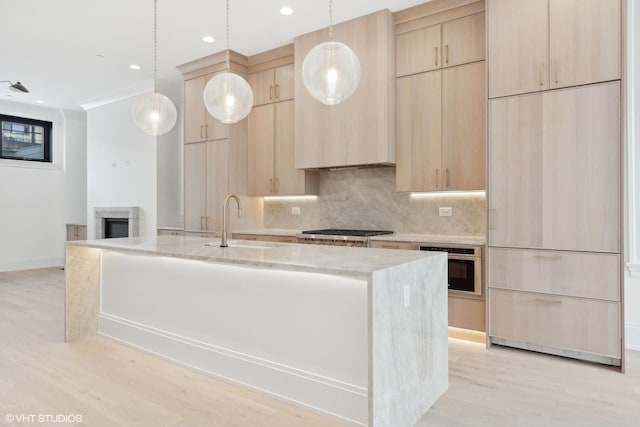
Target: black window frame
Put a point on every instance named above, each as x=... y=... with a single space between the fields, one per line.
x=48 y=128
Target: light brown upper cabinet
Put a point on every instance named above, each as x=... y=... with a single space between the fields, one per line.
x=271 y=159
x=451 y=43
x=206 y=184
x=537 y=45
x=199 y=125
x=272 y=85
x=440 y=130
x=555 y=169
x=360 y=130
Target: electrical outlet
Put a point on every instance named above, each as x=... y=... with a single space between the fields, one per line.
x=406 y=291
x=295 y=210
x=445 y=211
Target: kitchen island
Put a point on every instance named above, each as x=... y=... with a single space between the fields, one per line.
x=359 y=334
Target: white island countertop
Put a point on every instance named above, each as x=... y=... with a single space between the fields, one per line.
x=338 y=260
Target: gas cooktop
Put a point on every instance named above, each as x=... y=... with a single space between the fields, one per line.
x=343 y=232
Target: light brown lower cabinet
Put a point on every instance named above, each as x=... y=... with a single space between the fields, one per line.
x=76 y=232
x=265 y=238
x=571 y=324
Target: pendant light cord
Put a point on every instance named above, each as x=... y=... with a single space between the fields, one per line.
x=330 y=20
x=228 y=51
x=155 y=45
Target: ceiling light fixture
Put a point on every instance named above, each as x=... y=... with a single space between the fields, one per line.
x=39 y=101
x=208 y=39
x=16 y=87
x=286 y=11
x=154 y=113
x=135 y=67
x=331 y=70
x=227 y=96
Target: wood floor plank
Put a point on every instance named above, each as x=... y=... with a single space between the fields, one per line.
x=111 y=384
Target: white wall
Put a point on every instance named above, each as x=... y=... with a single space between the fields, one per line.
x=169 y=149
x=34 y=206
x=632 y=273
x=121 y=164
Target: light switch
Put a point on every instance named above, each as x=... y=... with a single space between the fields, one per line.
x=445 y=211
x=295 y=211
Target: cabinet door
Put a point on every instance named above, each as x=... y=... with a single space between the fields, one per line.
x=518 y=46
x=284 y=82
x=581 y=174
x=464 y=127
x=217 y=182
x=463 y=40
x=418 y=51
x=584 y=41
x=418 y=132
x=289 y=180
x=194 y=110
x=261 y=151
x=515 y=171
x=194 y=186
x=214 y=128
x=263 y=87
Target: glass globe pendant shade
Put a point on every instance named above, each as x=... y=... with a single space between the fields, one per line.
x=331 y=72
x=154 y=113
x=228 y=97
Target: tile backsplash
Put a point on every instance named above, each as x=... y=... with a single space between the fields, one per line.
x=367 y=199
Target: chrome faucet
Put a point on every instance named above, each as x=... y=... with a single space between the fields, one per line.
x=223 y=240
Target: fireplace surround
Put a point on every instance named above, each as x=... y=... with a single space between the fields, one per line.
x=104 y=215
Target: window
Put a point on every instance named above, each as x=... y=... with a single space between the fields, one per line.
x=25 y=139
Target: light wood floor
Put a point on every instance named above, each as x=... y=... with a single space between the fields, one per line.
x=110 y=384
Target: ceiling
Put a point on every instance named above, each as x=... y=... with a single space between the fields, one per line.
x=73 y=52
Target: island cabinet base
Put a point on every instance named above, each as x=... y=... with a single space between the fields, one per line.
x=369 y=349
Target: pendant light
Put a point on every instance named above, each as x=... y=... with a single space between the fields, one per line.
x=154 y=113
x=331 y=70
x=227 y=96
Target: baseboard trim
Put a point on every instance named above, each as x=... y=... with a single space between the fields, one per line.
x=346 y=402
x=632 y=336
x=31 y=263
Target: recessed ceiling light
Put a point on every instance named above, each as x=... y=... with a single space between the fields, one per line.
x=135 y=67
x=286 y=11
x=208 y=39
x=39 y=101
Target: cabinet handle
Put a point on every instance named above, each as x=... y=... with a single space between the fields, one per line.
x=277 y=91
x=437 y=174
x=446 y=54
x=446 y=177
x=206 y=131
x=492 y=218
x=548 y=301
x=436 y=56
x=201 y=226
x=272 y=187
x=201 y=128
x=391 y=246
x=277 y=187
x=270 y=92
x=206 y=222
x=541 y=80
x=555 y=72
x=549 y=257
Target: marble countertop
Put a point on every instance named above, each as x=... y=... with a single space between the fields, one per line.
x=413 y=238
x=338 y=260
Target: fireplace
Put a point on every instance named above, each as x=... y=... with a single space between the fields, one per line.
x=116 y=222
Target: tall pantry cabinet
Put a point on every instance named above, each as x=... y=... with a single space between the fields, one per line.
x=555 y=177
x=215 y=154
